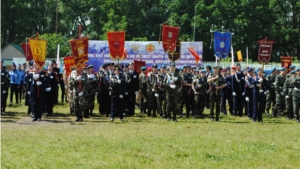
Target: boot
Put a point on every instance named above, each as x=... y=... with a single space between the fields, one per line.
x=154 y=113
x=149 y=113
x=274 y=113
x=212 y=119
x=217 y=118
x=91 y=112
x=142 y=110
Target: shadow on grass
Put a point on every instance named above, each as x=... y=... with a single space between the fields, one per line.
x=6 y=114
x=8 y=121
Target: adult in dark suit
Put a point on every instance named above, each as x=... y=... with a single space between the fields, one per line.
x=132 y=89
x=104 y=100
x=55 y=89
x=238 y=84
x=117 y=92
x=227 y=92
x=49 y=95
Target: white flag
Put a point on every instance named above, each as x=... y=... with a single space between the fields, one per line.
x=57 y=57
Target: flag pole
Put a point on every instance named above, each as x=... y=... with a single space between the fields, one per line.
x=247 y=55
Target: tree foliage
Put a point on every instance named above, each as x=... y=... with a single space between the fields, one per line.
x=250 y=20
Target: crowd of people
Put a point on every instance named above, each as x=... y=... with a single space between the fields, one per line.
x=159 y=91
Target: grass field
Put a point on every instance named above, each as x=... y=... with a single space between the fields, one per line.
x=142 y=142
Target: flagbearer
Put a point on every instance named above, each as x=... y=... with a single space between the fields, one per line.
x=216 y=82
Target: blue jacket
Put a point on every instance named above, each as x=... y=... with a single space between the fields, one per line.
x=14 y=77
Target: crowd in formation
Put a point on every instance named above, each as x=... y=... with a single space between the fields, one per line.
x=159 y=91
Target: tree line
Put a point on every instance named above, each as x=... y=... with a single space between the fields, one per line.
x=249 y=20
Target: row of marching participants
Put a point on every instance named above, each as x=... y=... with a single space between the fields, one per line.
x=164 y=90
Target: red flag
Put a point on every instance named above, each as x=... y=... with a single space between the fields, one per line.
x=27 y=51
x=116 y=43
x=194 y=53
x=80 y=48
x=69 y=62
x=138 y=65
x=169 y=38
x=286 y=61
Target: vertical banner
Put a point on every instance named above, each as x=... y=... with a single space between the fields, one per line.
x=169 y=38
x=286 y=61
x=69 y=63
x=138 y=65
x=264 y=52
x=38 y=49
x=239 y=53
x=176 y=53
x=222 y=42
x=27 y=51
x=80 y=48
x=116 y=42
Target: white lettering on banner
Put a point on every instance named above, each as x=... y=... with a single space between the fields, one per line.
x=264 y=54
x=265 y=51
x=266 y=46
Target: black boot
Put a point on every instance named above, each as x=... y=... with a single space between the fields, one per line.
x=154 y=113
x=91 y=112
x=142 y=110
x=217 y=118
x=149 y=113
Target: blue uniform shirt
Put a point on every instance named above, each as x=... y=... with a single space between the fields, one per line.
x=14 y=77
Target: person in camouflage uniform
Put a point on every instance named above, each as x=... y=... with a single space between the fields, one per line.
x=143 y=80
x=279 y=82
x=271 y=92
x=93 y=88
x=216 y=83
x=151 y=92
x=187 y=94
x=172 y=81
x=288 y=88
x=296 y=95
x=78 y=84
x=71 y=91
x=4 y=86
x=161 y=91
x=199 y=87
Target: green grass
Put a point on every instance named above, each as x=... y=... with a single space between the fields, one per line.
x=142 y=142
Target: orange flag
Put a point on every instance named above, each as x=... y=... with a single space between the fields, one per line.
x=194 y=53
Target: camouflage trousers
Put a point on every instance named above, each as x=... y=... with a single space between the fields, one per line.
x=144 y=99
x=199 y=105
x=279 y=104
x=71 y=97
x=289 y=106
x=215 y=100
x=296 y=103
x=161 y=102
x=270 y=99
x=172 y=103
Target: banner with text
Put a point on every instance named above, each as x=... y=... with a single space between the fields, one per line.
x=151 y=52
x=286 y=61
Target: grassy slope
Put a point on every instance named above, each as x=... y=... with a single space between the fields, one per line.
x=142 y=142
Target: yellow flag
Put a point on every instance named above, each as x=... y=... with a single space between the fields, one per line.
x=239 y=53
x=38 y=48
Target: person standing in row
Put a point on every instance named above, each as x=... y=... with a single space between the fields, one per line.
x=288 y=88
x=238 y=84
x=151 y=92
x=4 y=86
x=22 y=81
x=29 y=79
x=270 y=97
x=143 y=80
x=50 y=84
x=199 y=87
x=55 y=89
x=161 y=91
x=15 y=80
x=296 y=95
x=279 y=83
x=117 y=84
x=92 y=89
x=132 y=89
x=227 y=92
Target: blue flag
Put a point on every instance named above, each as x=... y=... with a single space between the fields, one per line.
x=222 y=44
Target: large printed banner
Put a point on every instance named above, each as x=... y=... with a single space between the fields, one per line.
x=286 y=61
x=222 y=42
x=151 y=52
x=38 y=49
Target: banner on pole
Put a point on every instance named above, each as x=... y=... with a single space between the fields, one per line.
x=38 y=48
x=265 y=50
x=239 y=53
x=27 y=51
x=69 y=63
x=138 y=65
x=80 y=48
x=169 y=38
x=286 y=61
x=116 y=43
x=222 y=42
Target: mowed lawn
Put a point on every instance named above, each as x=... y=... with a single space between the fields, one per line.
x=143 y=142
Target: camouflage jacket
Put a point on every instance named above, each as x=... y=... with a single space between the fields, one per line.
x=279 y=83
x=288 y=85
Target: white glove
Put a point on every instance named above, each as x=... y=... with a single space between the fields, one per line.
x=261 y=91
x=175 y=78
x=153 y=90
x=247 y=99
x=136 y=92
x=260 y=80
x=38 y=83
x=233 y=94
x=57 y=84
x=287 y=96
x=3 y=91
x=258 y=85
x=96 y=93
x=243 y=94
x=80 y=94
x=119 y=81
x=28 y=93
x=36 y=76
x=156 y=95
x=78 y=77
x=121 y=96
x=66 y=86
x=282 y=94
x=126 y=93
x=173 y=86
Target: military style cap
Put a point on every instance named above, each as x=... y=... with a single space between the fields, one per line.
x=272 y=70
x=163 y=66
x=172 y=64
x=185 y=66
x=216 y=66
x=292 y=67
x=125 y=65
x=143 y=68
x=293 y=72
x=31 y=62
x=203 y=71
x=208 y=66
x=228 y=68
x=117 y=68
x=194 y=67
x=53 y=61
x=105 y=65
x=238 y=64
x=158 y=68
x=282 y=69
x=111 y=64
x=90 y=66
x=298 y=70
x=154 y=66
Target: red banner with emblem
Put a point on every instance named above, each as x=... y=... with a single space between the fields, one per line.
x=69 y=63
x=116 y=43
x=38 y=49
x=80 y=48
x=27 y=51
x=79 y=62
x=265 y=50
x=286 y=61
x=169 y=38
x=138 y=65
